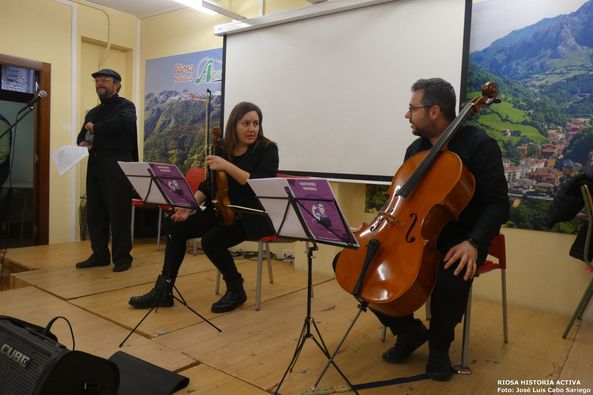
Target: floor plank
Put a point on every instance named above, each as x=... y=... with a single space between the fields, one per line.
x=68 y=282
x=204 y=380
x=92 y=334
x=198 y=290
x=579 y=363
x=257 y=348
x=254 y=348
x=64 y=254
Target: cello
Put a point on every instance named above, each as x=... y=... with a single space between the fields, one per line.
x=395 y=269
x=219 y=184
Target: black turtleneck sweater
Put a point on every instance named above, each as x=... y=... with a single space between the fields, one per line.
x=115 y=127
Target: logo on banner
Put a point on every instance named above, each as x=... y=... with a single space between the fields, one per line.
x=208 y=73
x=183 y=72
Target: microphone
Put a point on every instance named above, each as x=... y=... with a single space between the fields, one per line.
x=38 y=96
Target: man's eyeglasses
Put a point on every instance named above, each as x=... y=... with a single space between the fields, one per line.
x=411 y=108
x=103 y=79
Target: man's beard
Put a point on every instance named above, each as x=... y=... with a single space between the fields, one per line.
x=103 y=93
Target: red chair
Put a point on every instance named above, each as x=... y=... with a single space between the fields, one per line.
x=194 y=177
x=135 y=203
x=496 y=250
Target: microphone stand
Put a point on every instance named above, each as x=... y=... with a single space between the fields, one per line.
x=19 y=118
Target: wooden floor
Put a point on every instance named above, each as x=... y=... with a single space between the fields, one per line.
x=254 y=348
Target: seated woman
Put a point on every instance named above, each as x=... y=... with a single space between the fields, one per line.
x=247 y=154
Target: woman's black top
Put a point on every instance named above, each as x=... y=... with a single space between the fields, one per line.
x=260 y=161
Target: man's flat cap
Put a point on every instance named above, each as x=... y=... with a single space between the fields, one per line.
x=107 y=73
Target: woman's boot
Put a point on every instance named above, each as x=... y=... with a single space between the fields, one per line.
x=234 y=297
x=159 y=296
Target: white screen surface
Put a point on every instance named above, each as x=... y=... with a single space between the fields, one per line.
x=334 y=89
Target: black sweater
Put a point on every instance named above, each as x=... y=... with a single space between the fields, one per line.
x=489 y=207
x=115 y=128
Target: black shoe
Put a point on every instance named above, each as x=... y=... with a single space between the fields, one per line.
x=439 y=365
x=122 y=267
x=91 y=262
x=162 y=290
x=407 y=342
x=230 y=301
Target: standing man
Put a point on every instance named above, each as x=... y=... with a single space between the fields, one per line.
x=463 y=243
x=109 y=130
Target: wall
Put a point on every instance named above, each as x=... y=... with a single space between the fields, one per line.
x=41 y=30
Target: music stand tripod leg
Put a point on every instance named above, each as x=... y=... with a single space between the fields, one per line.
x=138 y=324
x=331 y=359
x=154 y=305
x=372 y=249
x=181 y=300
x=306 y=331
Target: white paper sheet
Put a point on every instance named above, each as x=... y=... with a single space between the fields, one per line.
x=67 y=156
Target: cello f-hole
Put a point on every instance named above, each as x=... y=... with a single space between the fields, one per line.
x=409 y=238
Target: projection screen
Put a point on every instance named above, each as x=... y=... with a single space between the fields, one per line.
x=334 y=89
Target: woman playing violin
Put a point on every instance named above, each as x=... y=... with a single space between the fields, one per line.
x=247 y=154
x=463 y=243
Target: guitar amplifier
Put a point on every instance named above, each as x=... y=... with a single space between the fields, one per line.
x=32 y=363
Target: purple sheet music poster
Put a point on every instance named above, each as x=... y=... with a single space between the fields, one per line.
x=173 y=185
x=320 y=211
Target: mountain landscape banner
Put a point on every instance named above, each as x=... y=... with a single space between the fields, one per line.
x=540 y=55
x=176 y=100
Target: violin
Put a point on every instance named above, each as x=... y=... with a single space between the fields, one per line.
x=395 y=269
x=220 y=193
x=218 y=178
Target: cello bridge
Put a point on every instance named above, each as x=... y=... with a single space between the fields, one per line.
x=390 y=218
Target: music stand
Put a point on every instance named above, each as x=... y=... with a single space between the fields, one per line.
x=161 y=184
x=305 y=209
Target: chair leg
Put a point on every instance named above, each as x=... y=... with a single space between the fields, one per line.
x=427 y=308
x=580 y=308
x=585 y=300
x=384 y=333
x=269 y=255
x=505 y=319
x=132 y=224
x=464 y=368
x=217 y=283
x=158 y=231
x=260 y=258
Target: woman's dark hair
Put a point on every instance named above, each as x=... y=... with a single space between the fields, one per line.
x=230 y=133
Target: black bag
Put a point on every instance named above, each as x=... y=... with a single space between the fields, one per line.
x=33 y=362
x=139 y=377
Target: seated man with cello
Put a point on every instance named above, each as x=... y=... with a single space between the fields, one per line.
x=247 y=154
x=460 y=246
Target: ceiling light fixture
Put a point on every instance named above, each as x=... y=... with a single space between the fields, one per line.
x=211 y=8
x=196 y=5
